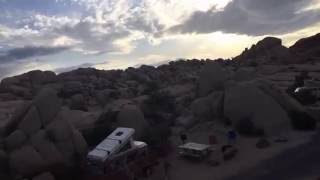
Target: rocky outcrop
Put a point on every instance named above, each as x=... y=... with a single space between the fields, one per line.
x=247 y=101
x=307 y=48
x=269 y=50
x=212 y=77
x=25 y=161
x=15 y=140
x=40 y=139
x=244 y=74
x=31 y=123
x=186 y=121
x=209 y=107
x=27 y=85
x=78 y=102
x=48 y=105
x=131 y=116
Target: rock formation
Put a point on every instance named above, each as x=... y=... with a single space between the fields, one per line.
x=39 y=139
x=47 y=120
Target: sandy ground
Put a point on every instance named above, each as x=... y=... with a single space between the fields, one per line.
x=247 y=158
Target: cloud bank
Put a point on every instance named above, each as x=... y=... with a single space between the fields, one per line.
x=29 y=51
x=252 y=17
x=92 y=28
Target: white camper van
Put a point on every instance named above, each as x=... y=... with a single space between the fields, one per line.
x=116 y=141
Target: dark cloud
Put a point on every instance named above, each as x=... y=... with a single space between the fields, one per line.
x=139 y=21
x=252 y=17
x=93 y=36
x=29 y=51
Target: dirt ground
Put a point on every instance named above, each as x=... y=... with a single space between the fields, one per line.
x=248 y=156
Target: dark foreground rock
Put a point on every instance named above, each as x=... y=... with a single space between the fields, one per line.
x=39 y=139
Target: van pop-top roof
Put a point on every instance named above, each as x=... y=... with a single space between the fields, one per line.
x=112 y=144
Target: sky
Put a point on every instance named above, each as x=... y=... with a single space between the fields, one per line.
x=61 y=35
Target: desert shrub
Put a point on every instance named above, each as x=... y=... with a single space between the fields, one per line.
x=152 y=87
x=161 y=101
x=158 y=134
x=302 y=121
x=245 y=126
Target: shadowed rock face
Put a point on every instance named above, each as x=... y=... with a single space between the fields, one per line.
x=53 y=111
x=307 y=47
x=212 y=77
x=269 y=50
x=40 y=139
x=247 y=101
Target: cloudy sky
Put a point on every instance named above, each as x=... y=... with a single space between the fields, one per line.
x=64 y=34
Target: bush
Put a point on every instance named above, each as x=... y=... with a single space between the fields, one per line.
x=161 y=101
x=152 y=87
x=302 y=121
x=246 y=127
x=158 y=134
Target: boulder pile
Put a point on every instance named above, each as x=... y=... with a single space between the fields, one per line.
x=39 y=142
x=47 y=119
x=253 y=105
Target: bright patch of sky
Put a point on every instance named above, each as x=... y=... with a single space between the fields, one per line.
x=120 y=33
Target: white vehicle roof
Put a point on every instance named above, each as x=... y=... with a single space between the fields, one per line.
x=195 y=146
x=112 y=144
x=121 y=134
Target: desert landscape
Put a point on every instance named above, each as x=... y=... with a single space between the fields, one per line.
x=49 y=121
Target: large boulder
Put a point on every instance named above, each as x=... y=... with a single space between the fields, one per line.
x=81 y=146
x=17 y=116
x=40 y=77
x=186 y=121
x=244 y=74
x=105 y=96
x=40 y=138
x=15 y=140
x=44 y=176
x=20 y=91
x=59 y=130
x=67 y=139
x=71 y=88
x=80 y=120
x=208 y=107
x=3 y=162
x=246 y=101
x=269 y=50
x=111 y=111
x=68 y=151
x=212 y=77
x=138 y=75
x=307 y=48
x=48 y=105
x=31 y=123
x=287 y=102
x=46 y=148
x=7 y=109
x=78 y=102
x=269 y=42
x=6 y=82
x=131 y=116
x=26 y=161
